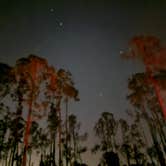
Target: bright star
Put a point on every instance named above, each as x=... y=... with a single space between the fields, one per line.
x=101 y=94
x=61 y=24
x=52 y=9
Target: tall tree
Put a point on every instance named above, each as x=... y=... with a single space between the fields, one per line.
x=64 y=89
x=105 y=129
x=67 y=90
x=74 y=149
x=6 y=79
x=53 y=124
x=125 y=146
x=5 y=121
x=32 y=72
x=152 y=53
x=143 y=98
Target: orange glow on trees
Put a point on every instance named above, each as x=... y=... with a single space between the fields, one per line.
x=150 y=50
x=39 y=87
x=32 y=71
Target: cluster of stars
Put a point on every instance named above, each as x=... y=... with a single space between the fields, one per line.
x=52 y=10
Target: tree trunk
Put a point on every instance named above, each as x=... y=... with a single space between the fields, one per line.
x=74 y=143
x=26 y=136
x=160 y=155
x=152 y=162
x=128 y=159
x=30 y=154
x=66 y=131
x=6 y=158
x=13 y=155
x=10 y=158
x=17 y=152
x=54 y=144
x=51 y=151
x=60 y=130
x=152 y=131
x=135 y=155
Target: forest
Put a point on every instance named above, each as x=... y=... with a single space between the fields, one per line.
x=37 y=128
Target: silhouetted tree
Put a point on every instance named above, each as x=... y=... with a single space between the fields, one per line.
x=125 y=146
x=74 y=149
x=143 y=98
x=53 y=122
x=105 y=129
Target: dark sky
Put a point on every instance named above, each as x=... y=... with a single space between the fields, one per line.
x=85 y=37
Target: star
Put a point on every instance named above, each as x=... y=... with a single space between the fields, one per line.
x=61 y=24
x=121 y=52
x=101 y=94
x=52 y=9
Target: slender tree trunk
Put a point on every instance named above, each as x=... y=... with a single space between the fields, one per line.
x=152 y=162
x=160 y=130
x=157 y=90
x=60 y=140
x=54 y=144
x=135 y=155
x=3 y=162
x=17 y=153
x=19 y=114
x=128 y=158
x=60 y=130
x=51 y=147
x=70 y=144
x=153 y=135
x=13 y=155
x=74 y=143
x=26 y=136
x=30 y=155
x=157 y=147
x=10 y=158
x=160 y=155
x=66 y=131
x=6 y=159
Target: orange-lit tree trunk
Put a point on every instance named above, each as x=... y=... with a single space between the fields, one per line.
x=153 y=56
x=27 y=131
x=33 y=71
x=157 y=91
x=150 y=50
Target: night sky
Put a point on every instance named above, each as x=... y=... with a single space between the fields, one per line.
x=85 y=37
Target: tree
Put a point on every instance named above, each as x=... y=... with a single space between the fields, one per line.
x=133 y=142
x=16 y=122
x=53 y=124
x=152 y=154
x=143 y=98
x=33 y=139
x=152 y=53
x=111 y=158
x=105 y=129
x=4 y=127
x=6 y=79
x=40 y=87
x=125 y=146
x=32 y=71
x=137 y=144
x=62 y=87
x=17 y=125
x=67 y=90
x=74 y=149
